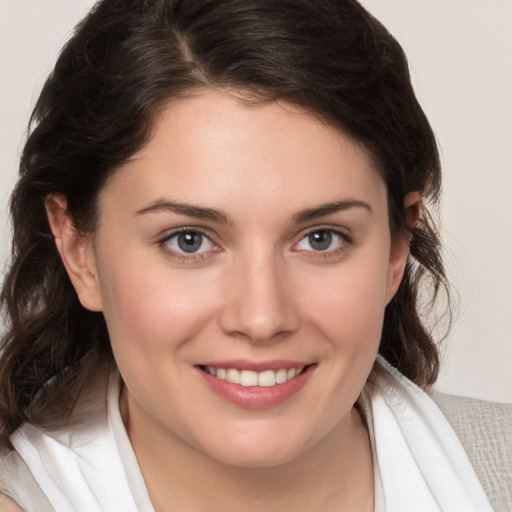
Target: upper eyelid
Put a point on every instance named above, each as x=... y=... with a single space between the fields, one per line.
x=346 y=241
x=166 y=235
x=341 y=231
x=344 y=232
x=162 y=243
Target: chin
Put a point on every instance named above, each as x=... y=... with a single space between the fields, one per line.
x=257 y=458
x=258 y=449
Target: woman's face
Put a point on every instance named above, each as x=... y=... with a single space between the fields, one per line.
x=251 y=243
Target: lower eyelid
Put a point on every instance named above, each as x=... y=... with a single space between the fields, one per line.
x=344 y=238
x=165 y=243
x=344 y=241
x=204 y=240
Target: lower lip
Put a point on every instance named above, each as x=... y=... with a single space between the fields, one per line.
x=256 y=397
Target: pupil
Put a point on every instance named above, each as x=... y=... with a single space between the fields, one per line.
x=190 y=242
x=320 y=240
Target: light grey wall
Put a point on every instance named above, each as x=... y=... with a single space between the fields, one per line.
x=460 y=53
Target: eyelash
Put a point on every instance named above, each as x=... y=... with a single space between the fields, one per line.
x=345 y=241
x=183 y=256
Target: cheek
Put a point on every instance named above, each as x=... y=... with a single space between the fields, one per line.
x=350 y=304
x=153 y=310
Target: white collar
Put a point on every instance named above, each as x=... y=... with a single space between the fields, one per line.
x=419 y=463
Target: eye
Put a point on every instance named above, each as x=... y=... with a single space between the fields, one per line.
x=189 y=242
x=322 y=240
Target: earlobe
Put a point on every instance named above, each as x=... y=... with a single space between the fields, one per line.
x=400 y=247
x=76 y=252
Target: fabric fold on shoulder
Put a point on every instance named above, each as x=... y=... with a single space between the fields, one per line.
x=423 y=465
x=79 y=469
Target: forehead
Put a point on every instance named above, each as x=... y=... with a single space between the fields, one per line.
x=211 y=148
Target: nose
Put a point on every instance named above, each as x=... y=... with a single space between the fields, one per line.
x=259 y=303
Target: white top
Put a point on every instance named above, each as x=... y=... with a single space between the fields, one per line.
x=419 y=463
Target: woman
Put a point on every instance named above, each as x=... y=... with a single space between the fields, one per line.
x=219 y=234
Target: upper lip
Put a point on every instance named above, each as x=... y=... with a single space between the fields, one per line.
x=256 y=366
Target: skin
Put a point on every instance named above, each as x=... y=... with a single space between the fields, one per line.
x=258 y=289
x=8 y=505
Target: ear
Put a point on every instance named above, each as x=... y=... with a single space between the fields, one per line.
x=76 y=252
x=400 y=246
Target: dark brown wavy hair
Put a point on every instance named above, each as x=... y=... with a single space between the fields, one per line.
x=125 y=61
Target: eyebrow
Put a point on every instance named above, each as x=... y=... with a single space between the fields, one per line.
x=189 y=210
x=221 y=217
x=328 y=209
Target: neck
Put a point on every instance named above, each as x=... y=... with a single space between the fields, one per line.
x=337 y=470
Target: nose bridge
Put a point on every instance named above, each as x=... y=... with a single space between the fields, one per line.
x=260 y=304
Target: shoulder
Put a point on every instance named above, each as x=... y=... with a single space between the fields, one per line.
x=485 y=431
x=18 y=489
x=8 y=505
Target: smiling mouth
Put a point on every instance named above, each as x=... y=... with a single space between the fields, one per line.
x=249 y=378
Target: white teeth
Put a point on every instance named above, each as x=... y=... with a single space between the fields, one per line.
x=281 y=376
x=267 y=378
x=233 y=376
x=248 y=378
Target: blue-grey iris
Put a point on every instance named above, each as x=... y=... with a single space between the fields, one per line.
x=190 y=241
x=320 y=240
